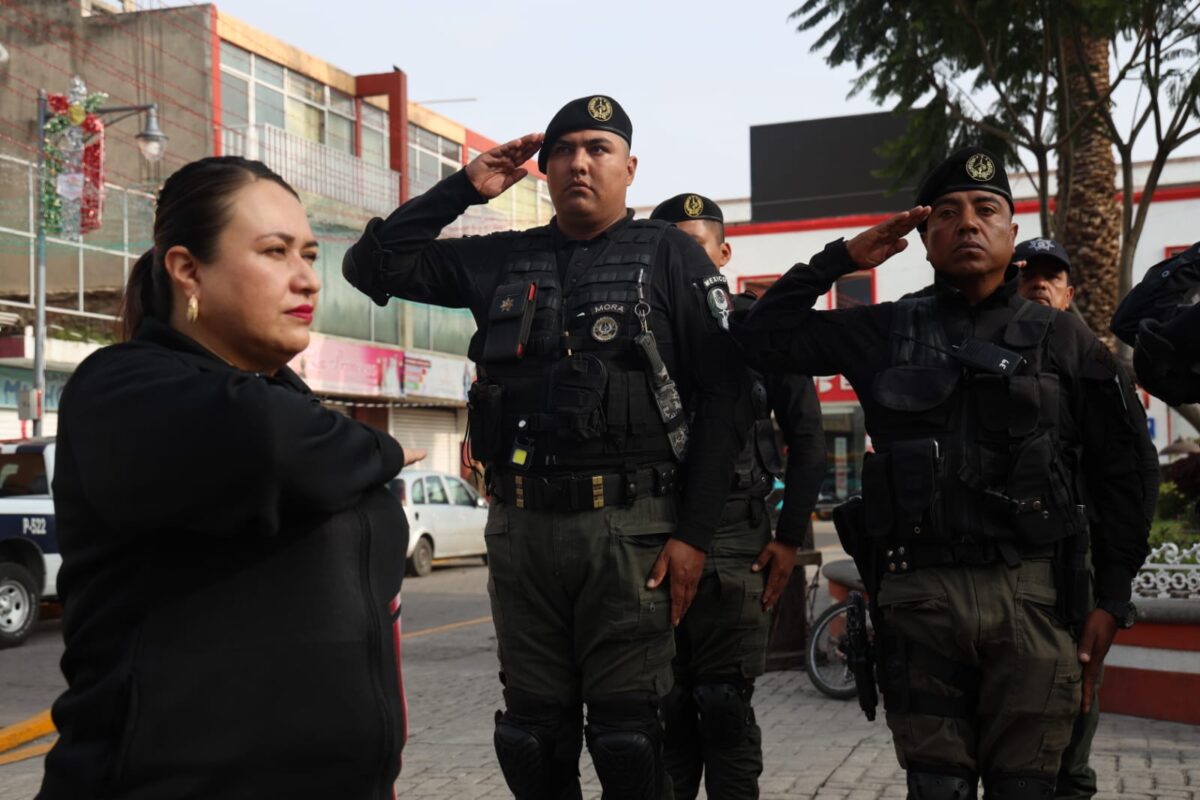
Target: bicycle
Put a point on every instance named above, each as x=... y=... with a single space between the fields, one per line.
x=826 y=657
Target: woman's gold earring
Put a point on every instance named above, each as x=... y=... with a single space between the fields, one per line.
x=193 y=311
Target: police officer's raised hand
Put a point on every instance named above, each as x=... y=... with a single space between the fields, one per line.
x=876 y=245
x=778 y=559
x=1099 y=630
x=684 y=563
x=499 y=168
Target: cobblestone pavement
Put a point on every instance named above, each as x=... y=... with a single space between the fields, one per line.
x=814 y=747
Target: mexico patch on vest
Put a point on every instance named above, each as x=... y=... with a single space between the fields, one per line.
x=719 y=305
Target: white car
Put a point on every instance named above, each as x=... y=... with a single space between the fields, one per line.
x=29 y=558
x=446 y=518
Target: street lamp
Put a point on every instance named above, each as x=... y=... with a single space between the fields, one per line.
x=151 y=143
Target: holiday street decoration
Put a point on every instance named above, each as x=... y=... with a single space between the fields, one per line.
x=72 y=185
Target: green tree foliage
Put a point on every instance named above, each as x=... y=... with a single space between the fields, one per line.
x=994 y=72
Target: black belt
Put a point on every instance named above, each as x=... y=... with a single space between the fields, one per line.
x=576 y=492
x=901 y=558
x=739 y=509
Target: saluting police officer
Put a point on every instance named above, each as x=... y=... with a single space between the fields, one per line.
x=1044 y=276
x=721 y=644
x=607 y=380
x=1160 y=318
x=1006 y=442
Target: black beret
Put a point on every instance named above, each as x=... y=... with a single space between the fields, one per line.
x=685 y=207
x=968 y=169
x=1031 y=249
x=595 y=113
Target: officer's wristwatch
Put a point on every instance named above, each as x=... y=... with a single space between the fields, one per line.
x=1123 y=611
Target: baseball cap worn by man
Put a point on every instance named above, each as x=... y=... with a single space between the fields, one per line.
x=596 y=112
x=1042 y=249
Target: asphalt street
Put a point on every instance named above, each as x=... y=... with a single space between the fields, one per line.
x=815 y=748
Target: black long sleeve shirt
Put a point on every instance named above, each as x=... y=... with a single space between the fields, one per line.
x=402 y=257
x=793 y=398
x=1099 y=409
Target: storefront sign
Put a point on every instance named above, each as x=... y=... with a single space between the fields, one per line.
x=12 y=381
x=438 y=377
x=835 y=389
x=332 y=366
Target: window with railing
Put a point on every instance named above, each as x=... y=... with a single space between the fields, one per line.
x=257 y=91
x=430 y=158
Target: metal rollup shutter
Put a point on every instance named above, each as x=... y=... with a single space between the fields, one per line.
x=435 y=430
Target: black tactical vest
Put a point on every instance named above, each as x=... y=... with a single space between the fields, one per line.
x=761 y=459
x=580 y=396
x=963 y=455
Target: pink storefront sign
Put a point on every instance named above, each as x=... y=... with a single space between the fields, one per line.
x=333 y=366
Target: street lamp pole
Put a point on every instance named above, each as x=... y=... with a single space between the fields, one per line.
x=151 y=141
x=39 y=288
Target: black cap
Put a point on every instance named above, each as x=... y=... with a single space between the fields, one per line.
x=686 y=207
x=1033 y=249
x=968 y=169
x=599 y=112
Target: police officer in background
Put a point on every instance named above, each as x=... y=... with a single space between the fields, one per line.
x=1007 y=443
x=1160 y=319
x=607 y=381
x=1044 y=273
x=1044 y=276
x=721 y=645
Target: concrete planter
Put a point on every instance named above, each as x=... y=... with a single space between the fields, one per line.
x=1153 y=669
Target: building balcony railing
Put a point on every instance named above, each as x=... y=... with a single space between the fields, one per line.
x=312 y=167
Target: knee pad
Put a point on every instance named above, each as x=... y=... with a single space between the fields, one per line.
x=625 y=737
x=1019 y=787
x=537 y=745
x=725 y=712
x=926 y=785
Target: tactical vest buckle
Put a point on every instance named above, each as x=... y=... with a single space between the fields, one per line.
x=899 y=561
x=597 y=491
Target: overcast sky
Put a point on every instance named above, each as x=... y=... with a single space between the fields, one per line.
x=693 y=75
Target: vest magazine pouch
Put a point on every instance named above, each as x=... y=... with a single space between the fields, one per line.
x=1039 y=500
x=915 y=468
x=769 y=444
x=484 y=418
x=877 y=495
x=509 y=321
x=991 y=397
x=577 y=385
x=911 y=387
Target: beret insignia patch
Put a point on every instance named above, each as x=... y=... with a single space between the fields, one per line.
x=980 y=167
x=600 y=109
x=693 y=206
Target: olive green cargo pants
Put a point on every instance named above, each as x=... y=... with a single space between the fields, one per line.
x=1076 y=778
x=721 y=648
x=979 y=675
x=575 y=623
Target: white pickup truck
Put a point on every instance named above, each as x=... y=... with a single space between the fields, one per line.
x=29 y=557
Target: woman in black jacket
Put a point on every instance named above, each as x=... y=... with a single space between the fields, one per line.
x=231 y=563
